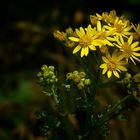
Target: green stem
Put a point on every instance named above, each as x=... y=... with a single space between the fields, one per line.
x=109 y=114
x=55 y=97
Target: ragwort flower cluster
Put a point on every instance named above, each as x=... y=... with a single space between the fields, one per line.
x=112 y=33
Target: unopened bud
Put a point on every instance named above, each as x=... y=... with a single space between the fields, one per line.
x=87 y=82
x=51 y=68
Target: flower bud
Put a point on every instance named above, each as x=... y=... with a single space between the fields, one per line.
x=51 y=68
x=82 y=74
x=39 y=74
x=44 y=67
x=87 y=82
x=80 y=85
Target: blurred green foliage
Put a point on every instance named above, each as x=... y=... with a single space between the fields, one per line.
x=26 y=42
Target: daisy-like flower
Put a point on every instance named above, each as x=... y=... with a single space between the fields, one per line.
x=86 y=39
x=104 y=35
x=113 y=64
x=107 y=17
x=129 y=48
x=121 y=26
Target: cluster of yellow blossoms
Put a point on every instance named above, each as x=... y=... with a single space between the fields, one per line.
x=113 y=34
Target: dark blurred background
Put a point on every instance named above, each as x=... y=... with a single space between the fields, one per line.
x=27 y=42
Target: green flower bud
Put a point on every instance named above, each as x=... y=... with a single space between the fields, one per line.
x=67 y=86
x=45 y=74
x=51 y=68
x=56 y=80
x=51 y=73
x=44 y=67
x=69 y=31
x=77 y=78
x=128 y=75
x=41 y=79
x=52 y=80
x=53 y=77
x=87 y=82
x=75 y=72
x=83 y=79
x=80 y=85
x=69 y=76
x=39 y=74
x=82 y=74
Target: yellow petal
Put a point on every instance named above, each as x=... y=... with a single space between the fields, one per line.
x=105 y=59
x=120 y=44
x=117 y=45
x=108 y=43
x=99 y=26
x=135 y=58
x=111 y=38
x=121 y=39
x=136 y=49
x=103 y=65
x=82 y=31
x=116 y=74
x=82 y=52
x=111 y=32
x=92 y=47
x=109 y=73
x=97 y=42
x=136 y=54
x=128 y=28
x=107 y=27
x=120 y=57
x=127 y=34
x=86 y=51
x=78 y=33
x=74 y=39
x=77 y=49
x=96 y=35
x=122 y=68
x=132 y=60
x=130 y=39
x=104 y=70
x=90 y=31
x=134 y=44
x=100 y=17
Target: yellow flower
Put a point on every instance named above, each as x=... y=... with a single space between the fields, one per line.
x=107 y=17
x=113 y=64
x=86 y=39
x=129 y=49
x=121 y=26
x=104 y=35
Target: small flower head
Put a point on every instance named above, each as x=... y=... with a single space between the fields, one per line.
x=121 y=26
x=86 y=39
x=129 y=48
x=105 y=35
x=108 y=17
x=113 y=64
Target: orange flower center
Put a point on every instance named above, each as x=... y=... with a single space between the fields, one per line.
x=103 y=35
x=111 y=65
x=127 y=50
x=119 y=28
x=85 y=41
